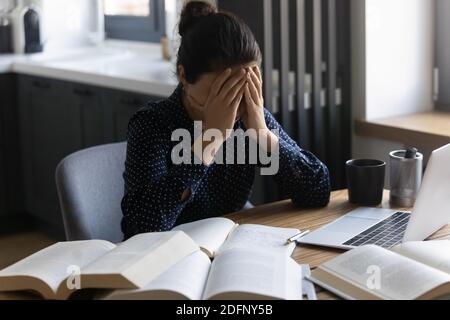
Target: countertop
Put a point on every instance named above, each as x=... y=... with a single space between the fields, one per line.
x=427 y=129
x=129 y=69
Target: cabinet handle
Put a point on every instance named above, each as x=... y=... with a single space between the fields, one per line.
x=83 y=92
x=41 y=84
x=131 y=101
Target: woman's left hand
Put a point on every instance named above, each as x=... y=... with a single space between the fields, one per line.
x=253 y=117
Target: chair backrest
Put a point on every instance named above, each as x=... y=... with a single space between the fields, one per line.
x=90 y=189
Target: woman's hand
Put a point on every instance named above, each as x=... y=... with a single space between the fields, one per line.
x=223 y=101
x=254 y=114
x=254 y=102
x=220 y=110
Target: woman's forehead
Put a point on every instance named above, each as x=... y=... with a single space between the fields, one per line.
x=211 y=76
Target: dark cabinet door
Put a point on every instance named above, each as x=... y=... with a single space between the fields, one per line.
x=3 y=105
x=51 y=130
x=11 y=194
x=3 y=199
x=119 y=107
x=88 y=100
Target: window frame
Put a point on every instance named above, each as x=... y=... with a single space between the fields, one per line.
x=135 y=28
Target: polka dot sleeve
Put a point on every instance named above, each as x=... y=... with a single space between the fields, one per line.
x=153 y=186
x=302 y=176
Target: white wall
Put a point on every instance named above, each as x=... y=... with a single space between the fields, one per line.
x=392 y=63
x=399 y=57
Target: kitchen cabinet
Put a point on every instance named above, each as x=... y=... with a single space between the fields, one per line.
x=3 y=198
x=10 y=171
x=50 y=130
x=4 y=103
x=119 y=107
x=58 y=118
x=88 y=101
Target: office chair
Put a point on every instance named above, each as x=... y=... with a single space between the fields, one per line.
x=90 y=189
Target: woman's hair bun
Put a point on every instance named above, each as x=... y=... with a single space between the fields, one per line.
x=192 y=13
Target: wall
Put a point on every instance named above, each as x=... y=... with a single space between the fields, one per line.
x=400 y=56
x=443 y=53
x=392 y=63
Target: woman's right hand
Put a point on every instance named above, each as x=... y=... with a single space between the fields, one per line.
x=223 y=101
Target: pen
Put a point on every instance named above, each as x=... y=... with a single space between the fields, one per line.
x=297 y=236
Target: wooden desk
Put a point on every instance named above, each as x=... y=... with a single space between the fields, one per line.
x=425 y=129
x=284 y=214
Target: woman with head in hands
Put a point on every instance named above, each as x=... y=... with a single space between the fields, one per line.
x=220 y=84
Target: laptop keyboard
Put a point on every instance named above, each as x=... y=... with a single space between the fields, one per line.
x=386 y=233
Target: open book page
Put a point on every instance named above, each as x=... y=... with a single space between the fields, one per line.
x=186 y=279
x=385 y=274
x=258 y=237
x=250 y=274
x=209 y=234
x=139 y=260
x=433 y=253
x=54 y=264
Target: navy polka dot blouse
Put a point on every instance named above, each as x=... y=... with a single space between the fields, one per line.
x=154 y=185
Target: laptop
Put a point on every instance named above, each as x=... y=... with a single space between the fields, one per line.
x=387 y=227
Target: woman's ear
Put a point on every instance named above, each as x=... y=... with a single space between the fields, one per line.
x=182 y=76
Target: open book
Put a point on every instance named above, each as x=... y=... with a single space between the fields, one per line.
x=61 y=269
x=219 y=234
x=250 y=262
x=235 y=274
x=412 y=270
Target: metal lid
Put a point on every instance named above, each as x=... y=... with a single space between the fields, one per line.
x=400 y=155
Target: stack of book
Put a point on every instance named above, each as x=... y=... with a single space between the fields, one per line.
x=207 y=259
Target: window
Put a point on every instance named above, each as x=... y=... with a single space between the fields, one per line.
x=442 y=72
x=138 y=20
x=140 y=8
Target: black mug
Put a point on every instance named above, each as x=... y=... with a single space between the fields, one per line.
x=365 y=179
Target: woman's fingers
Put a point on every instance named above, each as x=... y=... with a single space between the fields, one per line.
x=219 y=82
x=234 y=92
x=257 y=83
x=257 y=72
x=237 y=100
x=231 y=82
x=253 y=88
x=248 y=96
x=254 y=76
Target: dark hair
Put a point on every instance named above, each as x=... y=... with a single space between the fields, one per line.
x=213 y=40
